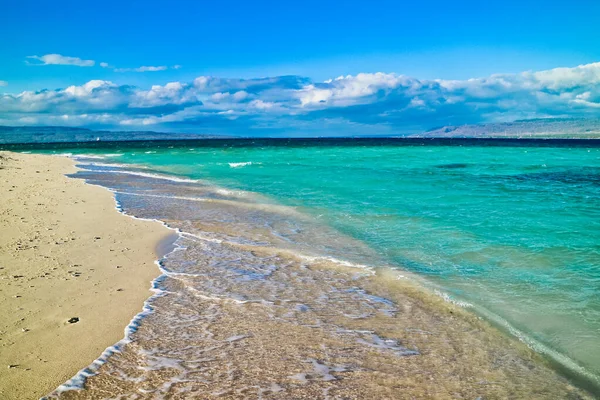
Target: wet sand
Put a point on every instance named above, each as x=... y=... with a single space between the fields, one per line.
x=236 y=319
x=65 y=252
x=327 y=334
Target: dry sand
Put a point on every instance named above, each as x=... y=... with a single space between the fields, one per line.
x=65 y=252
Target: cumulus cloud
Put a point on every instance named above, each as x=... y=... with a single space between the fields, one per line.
x=173 y=93
x=348 y=90
x=146 y=68
x=236 y=97
x=401 y=100
x=367 y=102
x=58 y=59
x=3 y=83
x=211 y=84
x=104 y=65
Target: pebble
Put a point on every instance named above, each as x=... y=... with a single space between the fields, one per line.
x=73 y=320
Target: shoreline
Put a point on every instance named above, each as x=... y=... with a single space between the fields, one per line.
x=66 y=253
x=429 y=301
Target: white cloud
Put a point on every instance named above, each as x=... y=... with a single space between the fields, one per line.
x=346 y=90
x=173 y=93
x=3 y=83
x=104 y=65
x=262 y=105
x=219 y=97
x=236 y=97
x=143 y=69
x=563 y=78
x=57 y=59
x=152 y=69
x=241 y=95
x=87 y=89
x=366 y=99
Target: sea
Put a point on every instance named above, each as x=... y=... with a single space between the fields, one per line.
x=508 y=231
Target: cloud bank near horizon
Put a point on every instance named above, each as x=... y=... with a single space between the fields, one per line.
x=366 y=103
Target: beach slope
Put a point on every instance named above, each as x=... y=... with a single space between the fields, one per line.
x=73 y=272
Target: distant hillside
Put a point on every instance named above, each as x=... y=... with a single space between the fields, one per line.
x=59 y=134
x=533 y=128
x=558 y=128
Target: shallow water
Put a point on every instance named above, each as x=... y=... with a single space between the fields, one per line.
x=511 y=231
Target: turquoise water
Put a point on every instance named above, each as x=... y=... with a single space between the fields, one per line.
x=513 y=232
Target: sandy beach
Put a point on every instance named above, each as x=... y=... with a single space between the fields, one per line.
x=66 y=254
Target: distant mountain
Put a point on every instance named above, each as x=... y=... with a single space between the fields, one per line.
x=558 y=128
x=59 y=134
x=562 y=128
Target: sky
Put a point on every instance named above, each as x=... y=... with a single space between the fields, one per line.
x=296 y=68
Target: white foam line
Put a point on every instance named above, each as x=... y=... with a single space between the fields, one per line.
x=204 y=238
x=203 y=296
x=530 y=342
x=114 y=165
x=218 y=190
x=197 y=199
x=158 y=176
x=94 y=156
x=539 y=347
x=91 y=156
x=77 y=382
x=310 y=259
x=345 y=263
x=449 y=299
x=144 y=174
x=241 y=164
x=160 y=196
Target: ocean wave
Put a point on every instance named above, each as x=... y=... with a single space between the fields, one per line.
x=157 y=176
x=538 y=347
x=448 y=299
x=110 y=165
x=236 y=200
x=316 y=259
x=92 y=156
x=242 y=164
x=565 y=362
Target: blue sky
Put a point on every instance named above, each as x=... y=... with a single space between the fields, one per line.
x=114 y=53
